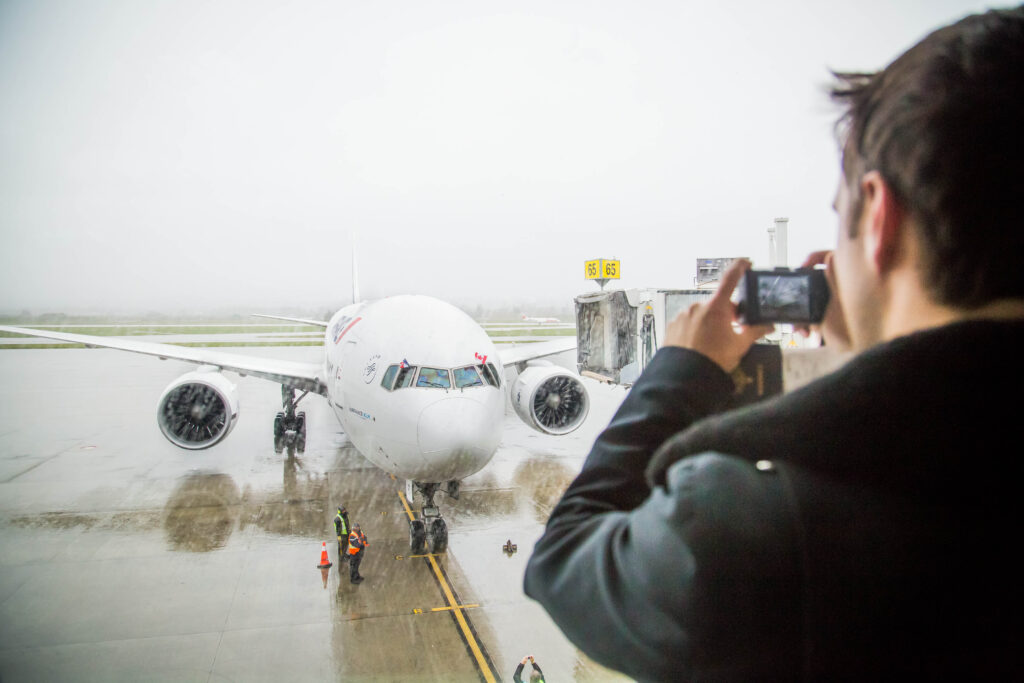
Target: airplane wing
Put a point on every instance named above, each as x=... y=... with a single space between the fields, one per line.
x=304 y=321
x=525 y=352
x=301 y=376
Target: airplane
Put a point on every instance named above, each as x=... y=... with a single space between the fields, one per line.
x=541 y=321
x=417 y=385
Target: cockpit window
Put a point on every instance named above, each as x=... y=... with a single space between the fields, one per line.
x=434 y=377
x=467 y=377
x=405 y=376
x=490 y=374
x=389 y=377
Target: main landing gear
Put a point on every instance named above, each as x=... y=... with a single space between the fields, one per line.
x=290 y=426
x=429 y=530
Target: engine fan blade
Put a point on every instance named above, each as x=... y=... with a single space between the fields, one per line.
x=195 y=413
x=557 y=403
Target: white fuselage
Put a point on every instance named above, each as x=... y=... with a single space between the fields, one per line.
x=424 y=431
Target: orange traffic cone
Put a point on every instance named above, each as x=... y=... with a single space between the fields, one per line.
x=325 y=562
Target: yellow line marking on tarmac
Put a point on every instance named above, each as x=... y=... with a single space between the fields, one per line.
x=444 y=609
x=419 y=610
x=456 y=609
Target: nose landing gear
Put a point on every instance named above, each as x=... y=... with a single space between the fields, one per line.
x=429 y=534
x=429 y=530
x=290 y=426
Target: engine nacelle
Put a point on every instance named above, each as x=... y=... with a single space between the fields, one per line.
x=198 y=409
x=550 y=399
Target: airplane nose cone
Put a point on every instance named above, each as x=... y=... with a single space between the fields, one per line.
x=457 y=435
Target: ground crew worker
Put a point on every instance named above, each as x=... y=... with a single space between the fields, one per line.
x=536 y=676
x=356 y=545
x=342 y=528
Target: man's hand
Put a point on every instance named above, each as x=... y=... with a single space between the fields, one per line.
x=707 y=327
x=833 y=327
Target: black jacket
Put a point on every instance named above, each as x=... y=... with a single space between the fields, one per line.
x=859 y=527
x=517 y=677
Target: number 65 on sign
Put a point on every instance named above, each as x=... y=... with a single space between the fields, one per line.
x=601 y=269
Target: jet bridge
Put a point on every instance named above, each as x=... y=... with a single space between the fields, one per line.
x=618 y=331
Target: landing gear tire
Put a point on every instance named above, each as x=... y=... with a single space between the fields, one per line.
x=280 y=437
x=289 y=425
x=417 y=537
x=300 y=439
x=438 y=536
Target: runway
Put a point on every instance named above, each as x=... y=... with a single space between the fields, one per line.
x=125 y=558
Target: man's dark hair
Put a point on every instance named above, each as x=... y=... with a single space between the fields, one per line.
x=943 y=124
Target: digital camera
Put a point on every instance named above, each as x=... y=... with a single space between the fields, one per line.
x=782 y=295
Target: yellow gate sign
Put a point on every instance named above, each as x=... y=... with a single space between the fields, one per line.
x=601 y=269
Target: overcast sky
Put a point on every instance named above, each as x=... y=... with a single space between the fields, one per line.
x=171 y=155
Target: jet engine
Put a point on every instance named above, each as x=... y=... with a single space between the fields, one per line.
x=198 y=409
x=550 y=399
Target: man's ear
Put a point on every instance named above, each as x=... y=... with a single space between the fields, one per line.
x=883 y=223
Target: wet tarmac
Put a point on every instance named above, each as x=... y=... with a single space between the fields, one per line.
x=123 y=558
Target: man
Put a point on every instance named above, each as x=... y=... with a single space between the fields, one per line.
x=341 y=528
x=862 y=526
x=356 y=546
x=536 y=676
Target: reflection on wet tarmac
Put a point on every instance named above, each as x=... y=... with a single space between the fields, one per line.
x=299 y=509
x=201 y=513
x=538 y=483
x=542 y=481
x=206 y=507
x=479 y=506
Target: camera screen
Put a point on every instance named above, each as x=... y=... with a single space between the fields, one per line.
x=784 y=297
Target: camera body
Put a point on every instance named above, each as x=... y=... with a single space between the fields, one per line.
x=782 y=295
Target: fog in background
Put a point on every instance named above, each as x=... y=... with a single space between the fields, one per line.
x=191 y=156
